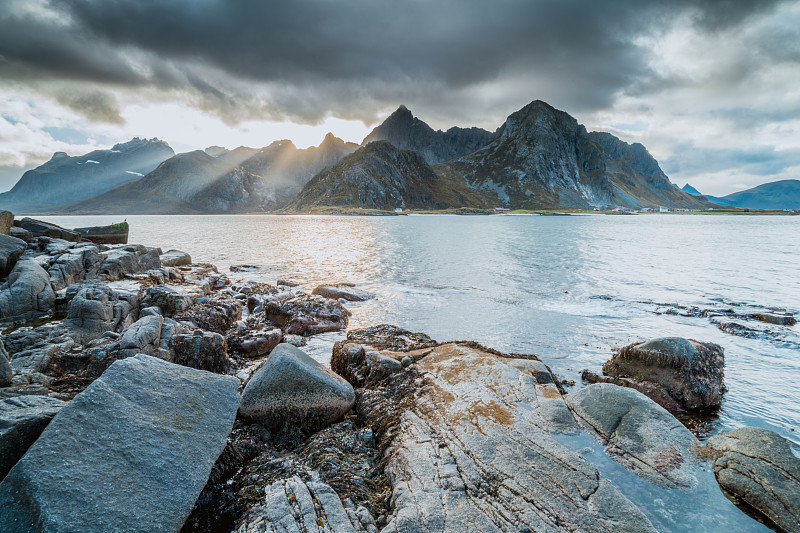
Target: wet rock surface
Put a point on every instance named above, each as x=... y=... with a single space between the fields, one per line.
x=637 y=433
x=757 y=467
x=293 y=390
x=347 y=291
x=307 y=315
x=135 y=448
x=686 y=371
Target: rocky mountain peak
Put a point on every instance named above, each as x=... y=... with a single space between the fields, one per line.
x=58 y=156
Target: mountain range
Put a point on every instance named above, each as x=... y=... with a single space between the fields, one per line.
x=539 y=158
x=776 y=195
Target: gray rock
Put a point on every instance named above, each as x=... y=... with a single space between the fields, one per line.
x=132 y=452
x=26 y=293
x=343 y=290
x=22 y=420
x=632 y=427
x=217 y=315
x=757 y=466
x=21 y=233
x=45 y=229
x=130 y=259
x=170 y=300
x=97 y=308
x=689 y=371
x=11 y=249
x=306 y=315
x=295 y=506
x=143 y=333
x=6 y=372
x=175 y=258
x=81 y=262
x=6 y=222
x=472 y=448
x=293 y=390
x=201 y=349
x=256 y=343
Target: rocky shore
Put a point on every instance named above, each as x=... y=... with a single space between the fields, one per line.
x=143 y=391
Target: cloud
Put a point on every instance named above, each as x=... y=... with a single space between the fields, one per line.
x=95 y=105
x=695 y=78
x=581 y=55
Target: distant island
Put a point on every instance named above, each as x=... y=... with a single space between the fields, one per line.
x=541 y=158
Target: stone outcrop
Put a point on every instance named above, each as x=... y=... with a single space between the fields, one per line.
x=203 y=350
x=690 y=372
x=346 y=291
x=76 y=263
x=135 y=449
x=757 y=466
x=26 y=292
x=22 y=420
x=307 y=315
x=11 y=249
x=175 y=258
x=469 y=445
x=39 y=228
x=98 y=308
x=170 y=300
x=293 y=390
x=294 y=505
x=217 y=315
x=121 y=261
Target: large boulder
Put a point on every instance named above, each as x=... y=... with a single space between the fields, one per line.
x=293 y=390
x=307 y=315
x=343 y=290
x=40 y=228
x=757 y=467
x=633 y=428
x=132 y=452
x=11 y=249
x=175 y=258
x=26 y=293
x=21 y=233
x=22 y=420
x=689 y=371
x=213 y=315
x=6 y=222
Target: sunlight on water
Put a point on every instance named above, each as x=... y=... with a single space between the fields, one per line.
x=529 y=283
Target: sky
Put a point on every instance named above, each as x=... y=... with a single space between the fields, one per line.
x=711 y=88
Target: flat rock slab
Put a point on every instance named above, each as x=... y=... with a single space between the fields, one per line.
x=757 y=466
x=130 y=453
x=22 y=420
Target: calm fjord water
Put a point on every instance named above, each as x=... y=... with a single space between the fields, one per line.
x=530 y=284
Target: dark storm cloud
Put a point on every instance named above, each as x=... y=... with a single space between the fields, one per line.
x=318 y=54
x=95 y=105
